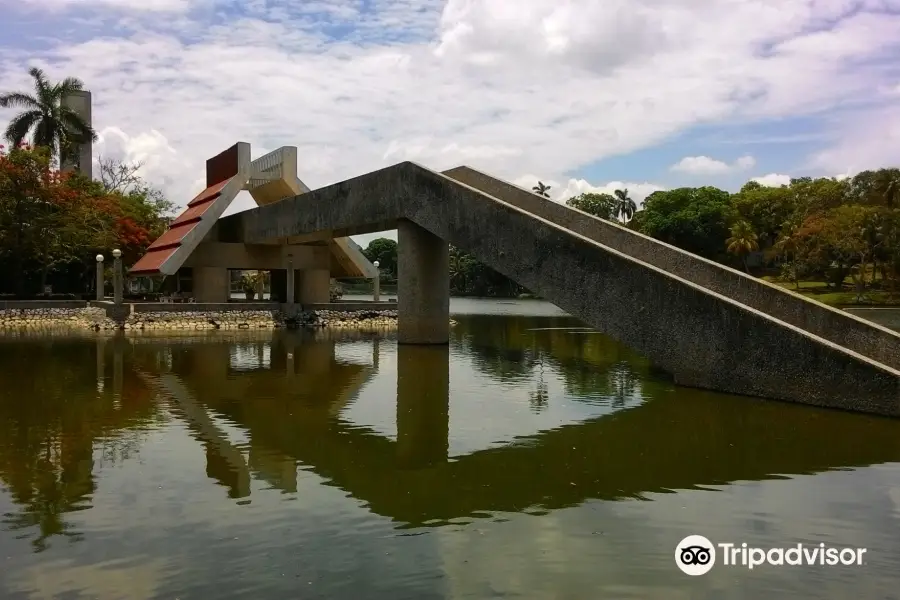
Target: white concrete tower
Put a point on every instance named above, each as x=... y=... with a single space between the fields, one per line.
x=82 y=161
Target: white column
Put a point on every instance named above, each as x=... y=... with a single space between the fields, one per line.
x=100 y=282
x=376 y=294
x=118 y=282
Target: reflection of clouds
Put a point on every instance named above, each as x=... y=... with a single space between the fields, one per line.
x=484 y=410
x=135 y=579
x=625 y=549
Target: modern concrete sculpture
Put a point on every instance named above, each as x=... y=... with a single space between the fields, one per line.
x=302 y=269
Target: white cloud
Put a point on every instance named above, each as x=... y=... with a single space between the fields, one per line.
x=868 y=140
x=535 y=86
x=773 y=180
x=560 y=192
x=704 y=165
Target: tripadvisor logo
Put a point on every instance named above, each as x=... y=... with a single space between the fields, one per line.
x=696 y=555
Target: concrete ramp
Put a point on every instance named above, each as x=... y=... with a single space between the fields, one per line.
x=704 y=338
x=226 y=175
x=862 y=336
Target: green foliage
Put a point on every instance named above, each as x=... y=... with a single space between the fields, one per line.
x=742 y=242
x=470 y=277
x=53 y=224
x=695 y=219
x=765 y=209
x=599 y=205
x=827 y=229
x=383 y=250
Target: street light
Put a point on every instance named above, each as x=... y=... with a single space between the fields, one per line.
x=100 y=283
x=118 y=284
x=376 y=295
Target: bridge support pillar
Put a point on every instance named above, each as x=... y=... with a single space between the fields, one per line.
x=423 y=287
x=314 y=286
x=423 y=405
x=211 y=284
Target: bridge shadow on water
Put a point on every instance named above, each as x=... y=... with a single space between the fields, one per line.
x=291 y=397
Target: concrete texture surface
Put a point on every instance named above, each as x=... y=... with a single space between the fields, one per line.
x=423 y=288
x=703 y=338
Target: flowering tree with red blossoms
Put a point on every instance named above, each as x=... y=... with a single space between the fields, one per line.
x=55 y=223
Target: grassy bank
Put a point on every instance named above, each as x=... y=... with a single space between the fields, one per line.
x=841 y=298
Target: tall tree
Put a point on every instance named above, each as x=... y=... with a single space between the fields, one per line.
x=742 y=242
x=383 y=250
x=51 y=123
x=625 y=206
x=541 y=189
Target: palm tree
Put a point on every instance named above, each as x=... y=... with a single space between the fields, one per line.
x=541 y=189
x=55 y=125
x=625 y=207
x=742 y=242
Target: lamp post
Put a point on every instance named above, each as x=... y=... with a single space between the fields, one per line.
x=100 y=283
x=376 y=295
x=117 y=276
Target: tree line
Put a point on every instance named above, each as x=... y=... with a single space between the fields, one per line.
x=827 y=232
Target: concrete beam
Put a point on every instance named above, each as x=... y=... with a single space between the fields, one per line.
x=257 y=256
x=423 y=286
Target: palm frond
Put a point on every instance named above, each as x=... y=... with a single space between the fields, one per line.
x=41 y=84
x=76 y=128
x=68 y=86
x=18 y=100
x=20 y=125
x=47 y=133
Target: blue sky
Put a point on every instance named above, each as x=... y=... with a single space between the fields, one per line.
x=584 y=94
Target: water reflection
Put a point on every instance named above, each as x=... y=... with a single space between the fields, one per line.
x=258 y=446
x=58 y=418
x=286 y=396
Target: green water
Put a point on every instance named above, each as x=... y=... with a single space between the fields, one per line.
x=533 y=458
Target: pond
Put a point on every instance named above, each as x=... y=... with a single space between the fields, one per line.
x=532 y=458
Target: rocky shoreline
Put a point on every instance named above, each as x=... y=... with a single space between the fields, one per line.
x=97 y=320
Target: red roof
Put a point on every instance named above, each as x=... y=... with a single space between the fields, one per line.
x=169 y=242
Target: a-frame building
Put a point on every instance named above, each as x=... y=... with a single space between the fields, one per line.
x=192 y=250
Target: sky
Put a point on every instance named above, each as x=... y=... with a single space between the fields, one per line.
x=584 y=95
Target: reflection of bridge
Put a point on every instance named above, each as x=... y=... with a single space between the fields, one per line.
x=663 y=444
x=210 y=363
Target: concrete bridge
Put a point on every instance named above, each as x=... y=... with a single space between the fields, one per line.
x=708 y=325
